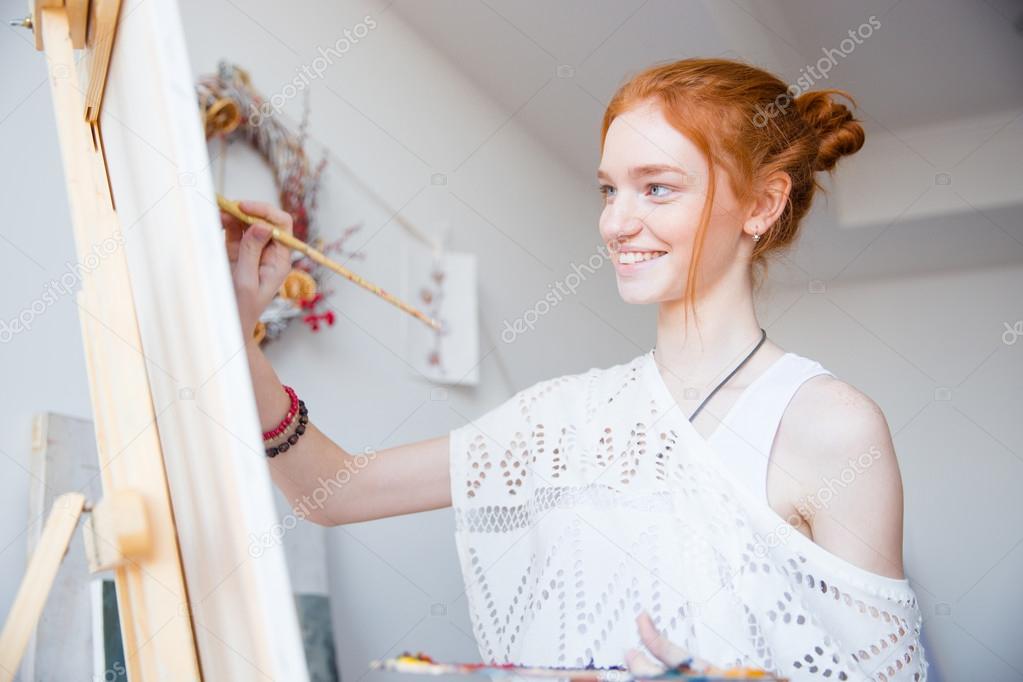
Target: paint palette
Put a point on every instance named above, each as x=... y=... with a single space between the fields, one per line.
x=421 y=664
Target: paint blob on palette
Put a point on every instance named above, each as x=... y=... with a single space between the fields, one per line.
x=689 y=671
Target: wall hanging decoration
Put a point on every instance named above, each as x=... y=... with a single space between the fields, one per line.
x=234 y=110
x=443 y=282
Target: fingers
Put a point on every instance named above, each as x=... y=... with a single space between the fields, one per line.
x=660 y=646
x=233 y=229
x=229 y=222
x=250 y=252
x=641 y=665
x=271 y=214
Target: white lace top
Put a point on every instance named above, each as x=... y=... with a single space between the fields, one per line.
x=586 y=498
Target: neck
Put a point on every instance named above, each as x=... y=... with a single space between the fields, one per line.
x=727 y=332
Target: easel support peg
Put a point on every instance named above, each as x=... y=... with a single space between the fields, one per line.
x=116 y=531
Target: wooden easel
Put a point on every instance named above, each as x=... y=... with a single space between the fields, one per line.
x=183 y=485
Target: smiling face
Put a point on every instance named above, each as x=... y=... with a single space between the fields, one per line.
x=654 y=182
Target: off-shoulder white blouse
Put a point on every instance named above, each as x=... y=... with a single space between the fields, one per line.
x=584 y=499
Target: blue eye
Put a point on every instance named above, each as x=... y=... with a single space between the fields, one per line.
x=608 y=190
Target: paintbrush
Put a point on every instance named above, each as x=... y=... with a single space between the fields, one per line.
x=292 y=242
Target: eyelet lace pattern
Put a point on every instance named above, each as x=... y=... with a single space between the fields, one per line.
x=584 y=499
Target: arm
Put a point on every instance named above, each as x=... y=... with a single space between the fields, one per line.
x=333 y=486
x=330 y=486
x=836 y=442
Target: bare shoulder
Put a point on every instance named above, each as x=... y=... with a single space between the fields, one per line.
x=835 y=442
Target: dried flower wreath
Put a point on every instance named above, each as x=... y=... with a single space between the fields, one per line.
x=233 y=109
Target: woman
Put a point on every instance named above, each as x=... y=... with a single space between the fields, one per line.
x=733 y=500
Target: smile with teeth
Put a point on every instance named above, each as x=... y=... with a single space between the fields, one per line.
x=628 y=257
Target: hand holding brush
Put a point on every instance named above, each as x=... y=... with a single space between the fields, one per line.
x=259 y=243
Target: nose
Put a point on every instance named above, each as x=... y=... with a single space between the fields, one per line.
x=620 y=221
x=618 y=232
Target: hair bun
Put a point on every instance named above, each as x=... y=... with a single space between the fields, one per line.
x=839 y=132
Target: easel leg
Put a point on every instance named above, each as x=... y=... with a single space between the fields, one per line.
x=39 y=577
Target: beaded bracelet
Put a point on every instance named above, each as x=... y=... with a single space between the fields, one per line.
x=286 y=422
x=292 y=426
x=289 y=439
x=298 y=409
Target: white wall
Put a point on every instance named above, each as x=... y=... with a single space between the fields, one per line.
x=398 y=112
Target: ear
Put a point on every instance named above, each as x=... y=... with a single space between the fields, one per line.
x=769 y=203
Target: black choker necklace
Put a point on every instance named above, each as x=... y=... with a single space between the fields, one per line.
x=763 y=337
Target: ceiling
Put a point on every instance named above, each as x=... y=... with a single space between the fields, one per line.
x=554 y=65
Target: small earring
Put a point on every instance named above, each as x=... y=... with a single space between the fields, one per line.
x=756 y=236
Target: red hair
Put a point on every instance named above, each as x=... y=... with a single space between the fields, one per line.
x=747 y=121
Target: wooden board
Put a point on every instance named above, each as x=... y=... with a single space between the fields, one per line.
x=174 y=412
x=151 y=591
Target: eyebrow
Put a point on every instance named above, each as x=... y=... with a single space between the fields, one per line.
x=641 y=171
